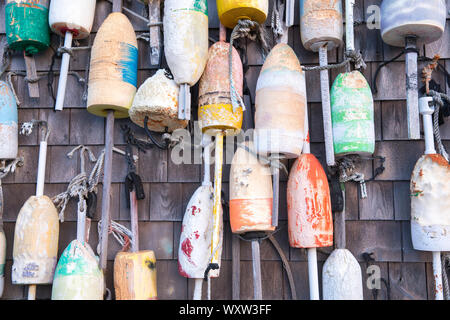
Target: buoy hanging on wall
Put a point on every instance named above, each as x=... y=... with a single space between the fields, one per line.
x=77 y=275
x=27 y=25
x=352 y=115
x=8 y=123
x=280 y=104
x=72 y=20
x=186 y=45
x=231 y=11
x=113 y=69
x=157 y=99
x=215 y=111
x=250 y=193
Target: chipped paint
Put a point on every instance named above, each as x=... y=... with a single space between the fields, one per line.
x=186 y=39
x=8 y=123
x=113 y=69
x=430 y=203
x=157 y=98
x=35 y=242
x=310 y=222
x=135 y=275
x=352 y=115
x=231 y=11
x=424 y=19
x=74 y=16
x=78 y=275
x=250 y=193
x=215 y=110
x=280 y=104
x=321 y=21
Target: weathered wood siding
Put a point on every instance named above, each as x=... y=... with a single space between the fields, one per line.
x=378 y=224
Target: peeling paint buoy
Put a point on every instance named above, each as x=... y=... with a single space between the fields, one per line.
x=8 y=123
x=77 y=275
x=157 y=98
x=231 y=11
x=113 y=69
x=352 y=115
x=280 y=104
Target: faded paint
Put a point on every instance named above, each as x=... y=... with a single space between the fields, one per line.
x=26 y=25
x=310 y=222
x=430 y=203
x=8 y=123
x=194 y=251
x=113 y=69
x=321 y=22
x=341 y=277
x=35 y=242
x=250 y=193
x=74 y=16
x=135 y=275
x=280 y=104
x=78 y=276
x=157 y=98
x=352 y=115
x=231 y=11
x=424 y=19
x=215 y=110
x=186 y=43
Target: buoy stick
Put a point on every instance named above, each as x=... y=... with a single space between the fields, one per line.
x=412 y=94
x=2 y=235
x=154 y=14
x=63 y=73
x=349 y=32
x=326 y=106
x=257 y=284
x=106 y=200
x=198 y=289
x=134 y=221
x=30 y=65
x=236 y=267
x=218 y=163
x=290 y=13
x=313 y=274
x=117 y=6
x=437 y=272
x=184 y=98
x=222 y=33
x=276 y=194
x=339 y=221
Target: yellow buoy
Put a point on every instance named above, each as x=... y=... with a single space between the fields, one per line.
x=113 y=70
x=231 y=11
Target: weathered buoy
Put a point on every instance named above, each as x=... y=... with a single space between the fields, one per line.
x=2 y=259
x=250 y=193
x=231 y=11
x=280 y=104
x=423 y=19
x=72 y=20
x=186 y=45
x=78 y=276
x=321 y=22
x=352 y=115
x=196 y=241
x=215 y=111
x=113 y=69
x=26 y=23
x=8 y=123
x=157 y=99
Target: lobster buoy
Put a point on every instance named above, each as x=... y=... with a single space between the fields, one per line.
x=310 y=222
x=35 y=242
x=8 y=123
x=78 y=276
x=157 y=98
x=321 y=22
x=26 y=25
x=352 y=115
x=231 y=11
x=402 y=18
x=280 y=104
x=250 y=193
x=215 y=111
x=113 y=69
x=2 y=259
x=73 y=16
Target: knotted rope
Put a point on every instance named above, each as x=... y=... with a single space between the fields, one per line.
x=121 y=233
x=438 y=101
x=10 y=166
x=350 y=56
x=275 y=23
x=347 y=172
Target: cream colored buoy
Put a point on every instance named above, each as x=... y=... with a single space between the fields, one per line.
x=113 y=70
x=280 y=104
x=8 y=123
x=186 y=45
x=157 y=99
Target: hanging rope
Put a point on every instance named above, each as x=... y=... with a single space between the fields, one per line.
x=350 y=56
x=121 y=233
x=275 y=23
x=9 y=166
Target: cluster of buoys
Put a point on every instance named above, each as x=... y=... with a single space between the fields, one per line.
x=163 y=104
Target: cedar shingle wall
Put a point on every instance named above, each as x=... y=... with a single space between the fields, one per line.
x=378 y=224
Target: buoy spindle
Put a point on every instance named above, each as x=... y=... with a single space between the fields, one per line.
x=412 y=93
x=349 y=19
x=64 y=72
x=290 y=13
x=437 y=275
x=256 y=258
x=427 y=110
x=218 y=163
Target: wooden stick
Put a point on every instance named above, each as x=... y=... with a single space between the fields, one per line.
x=222 y=33
x=218 y=163
x=134 y=221
x=412 y=94
x=257 y=283
x=117 y=6
x=236 y=267
x=33 y=87
x=276 y=195
x=63 y=74
x=437 y=273
x=154 y=15
x=313 y=274
x=339 y=222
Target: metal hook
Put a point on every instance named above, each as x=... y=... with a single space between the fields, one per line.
x=162 y=146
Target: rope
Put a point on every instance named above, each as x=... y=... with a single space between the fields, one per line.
x=438 y=99
x=347 y=172
x=275 y=23
x=9 y=80
x=10 y=167
x=121 y=233
x=6 y=56
x=350 y=56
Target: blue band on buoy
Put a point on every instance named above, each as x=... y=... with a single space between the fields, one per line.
x=129 y=63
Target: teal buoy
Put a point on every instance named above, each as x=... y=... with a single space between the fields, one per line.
x=8 y=124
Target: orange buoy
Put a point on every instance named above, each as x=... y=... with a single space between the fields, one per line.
x=250 y=193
